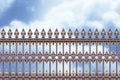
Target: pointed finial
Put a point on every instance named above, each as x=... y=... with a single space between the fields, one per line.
x=36 y=33
x=63 y=33
x=50 y=33
x=83 y=33
x=43 y=33
x=3 y=33
x=56 y=33
x=30 y=33
x=110 y=33
x=96 y=33
x=9 y=33
x=16 y=33
x=89 y=33
x=76 y=33
x=23 y=33
x=103 y=33
x=116 y=33
x=69 y=33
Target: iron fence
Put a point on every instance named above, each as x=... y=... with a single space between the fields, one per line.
x=89 y=48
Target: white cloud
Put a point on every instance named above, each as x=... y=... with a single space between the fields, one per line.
x=75 y=13
x=83 y=12
x=4 y=5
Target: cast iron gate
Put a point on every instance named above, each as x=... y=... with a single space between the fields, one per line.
x=70 y=48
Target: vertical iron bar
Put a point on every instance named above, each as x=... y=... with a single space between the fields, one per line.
x=96 y=60
x=37 y=60
x=9 y=61
x=23 y=60
x=103 y=61
x=43 y=60
x=16 y=61
x=56 y=61
x=89 y=61
x=30 y=60
x=63 y=61
x=69 y=61
x=83 y=61
x=76 y=61
x=49 y=61
x=116 y=60
x=110 y=60
x=3 y=61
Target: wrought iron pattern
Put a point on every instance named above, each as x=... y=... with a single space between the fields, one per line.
x=48 y=56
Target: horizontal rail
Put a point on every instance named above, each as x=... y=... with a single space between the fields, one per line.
x=59 y=57
x=68 y=76
x=59 y=40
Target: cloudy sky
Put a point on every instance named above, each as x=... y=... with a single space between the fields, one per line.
x=59 y=14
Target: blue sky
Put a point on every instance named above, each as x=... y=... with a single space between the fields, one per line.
x=23 y=10
x=60 y=14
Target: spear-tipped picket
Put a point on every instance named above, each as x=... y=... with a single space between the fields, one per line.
x=76 y=33
x=96 y=33
x=3 y=33
x=83 y=33
x=56 y=33
x=50 y=33
x=69 y=33
x=16 y=33
x=63 y=33
x=103 y=33
x=43 y=33
x=110 y=33
x=23 y=33
x=36 y=33
x=30 y=33
x=9 y=33
x=89 y=33
x=116 y=33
